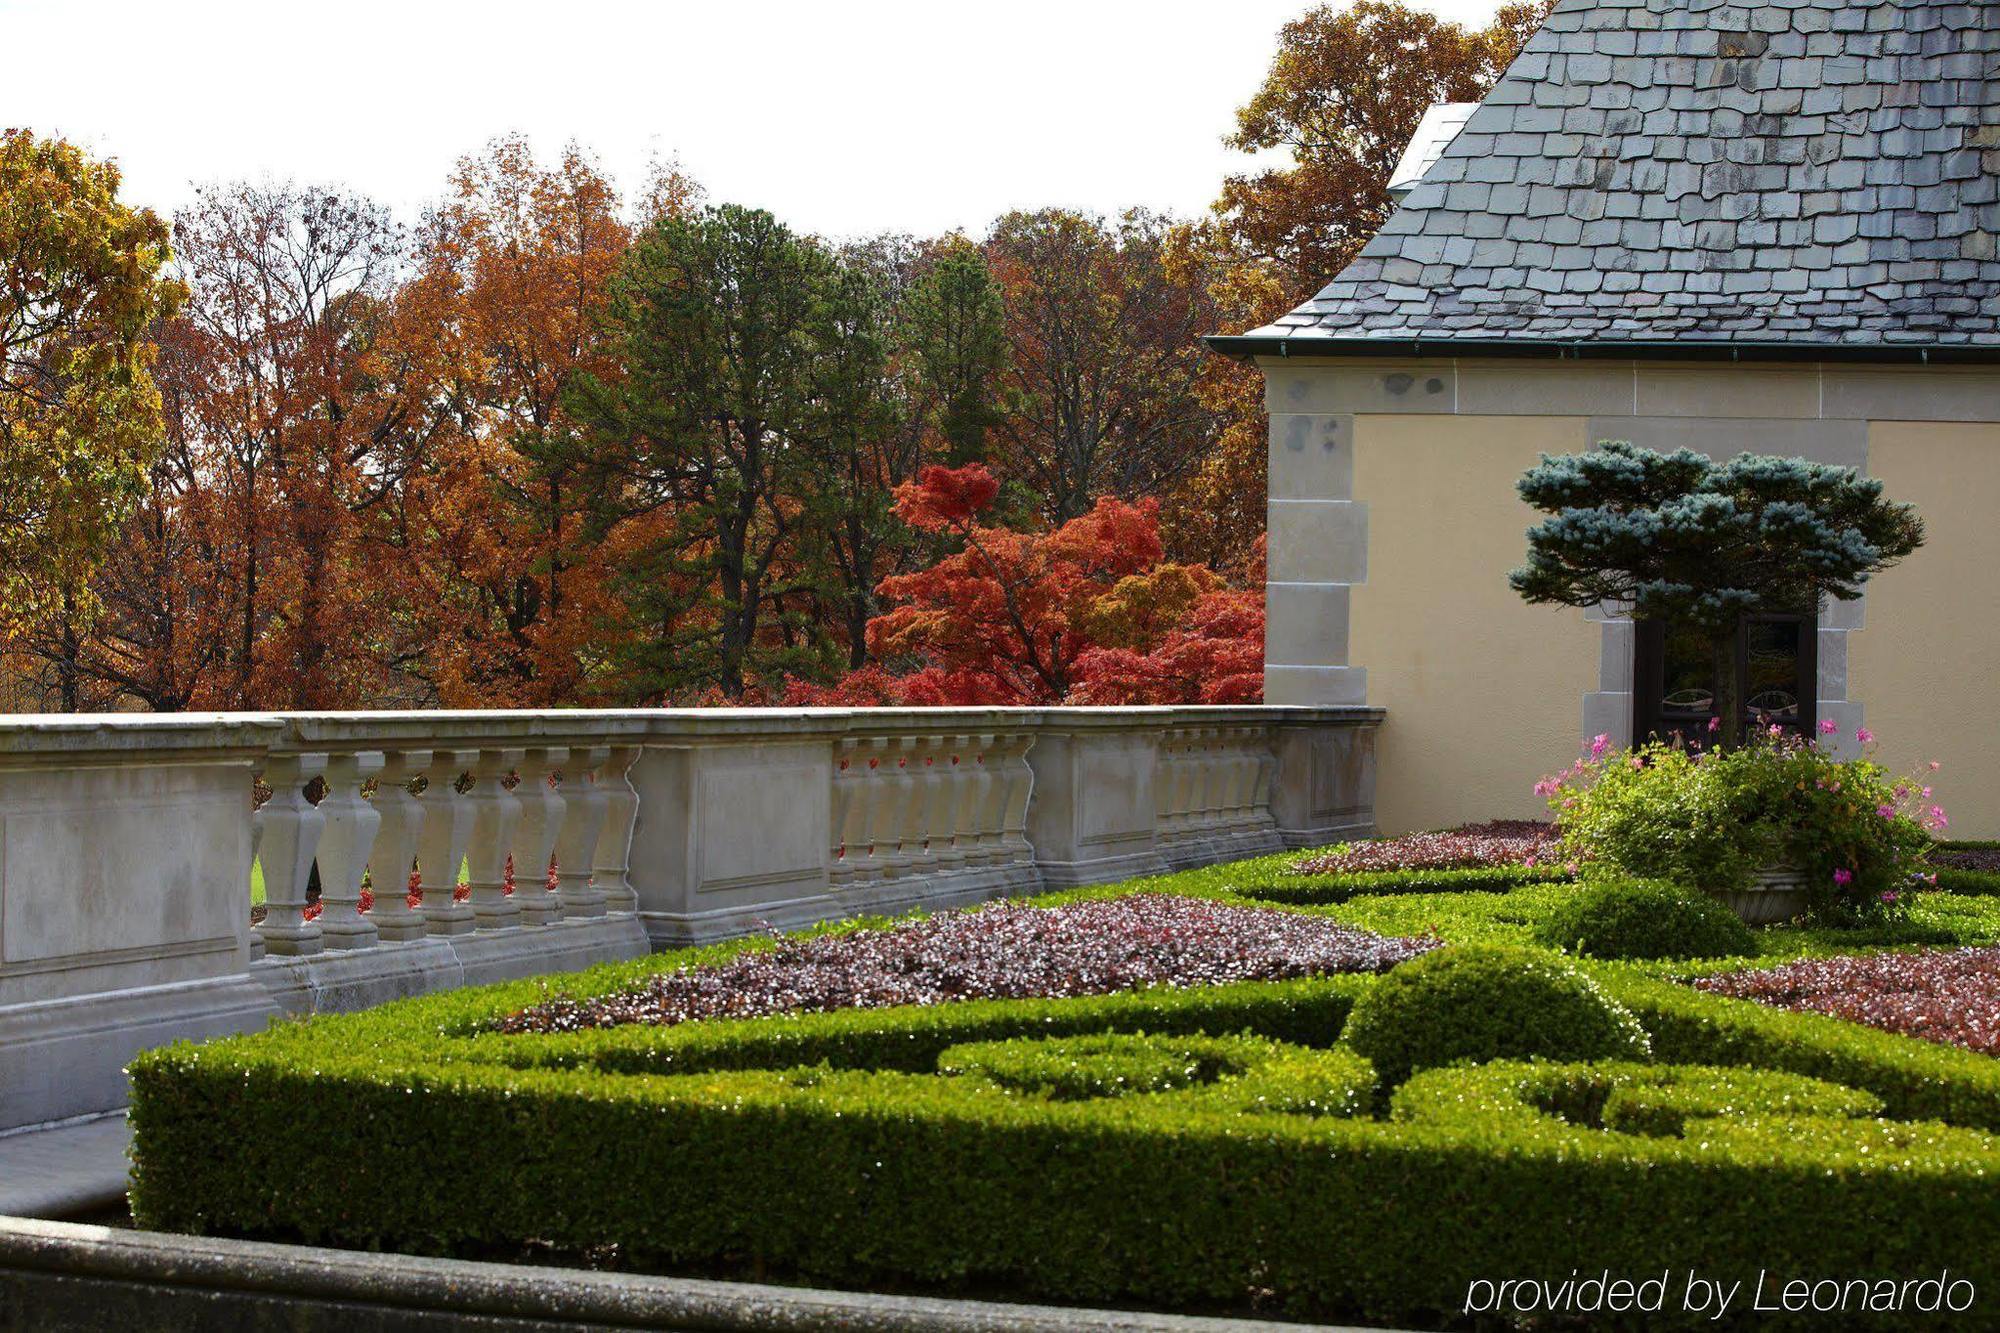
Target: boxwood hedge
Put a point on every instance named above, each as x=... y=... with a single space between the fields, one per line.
x=843 y=1147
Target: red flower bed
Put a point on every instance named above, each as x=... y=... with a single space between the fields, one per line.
x=1967 y=858
x=1000 y=952
x=1948 y=995
x=1498 y=842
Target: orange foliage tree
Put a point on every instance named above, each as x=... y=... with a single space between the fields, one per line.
x=1087 y=612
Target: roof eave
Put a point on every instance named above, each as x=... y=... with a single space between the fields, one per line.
x=1248 y=347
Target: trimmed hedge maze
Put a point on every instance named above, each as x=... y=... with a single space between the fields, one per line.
x=1205 y=1148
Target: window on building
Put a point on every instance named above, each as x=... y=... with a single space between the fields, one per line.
x=1673 y=677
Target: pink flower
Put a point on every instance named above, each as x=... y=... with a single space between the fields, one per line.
x=1927 y=793
x=1843 y=877
x=1776 y=730
x=1637 y=762
x=1529 y=862
x=1865 y=736
x=1599 y=744
x=1938 y=821
x=1934 y=765
x=1827 y=726
x=1886 y=811
x=1715 y=724
x=1890 y=895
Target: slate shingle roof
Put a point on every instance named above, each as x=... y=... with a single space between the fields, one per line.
x=1791 y=171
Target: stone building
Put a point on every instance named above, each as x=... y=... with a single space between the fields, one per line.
x=1767 y=227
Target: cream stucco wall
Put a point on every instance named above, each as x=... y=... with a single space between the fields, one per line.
x=1927 y=659
x=1393 y=522
x=1481 y=690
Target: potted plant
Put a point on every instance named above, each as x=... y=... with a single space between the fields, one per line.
x=1776 y=828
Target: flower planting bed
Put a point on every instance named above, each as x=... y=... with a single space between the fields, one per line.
x=1949 y=995
x=1499 y=842
x=1007 y=951
x=1146 y=1097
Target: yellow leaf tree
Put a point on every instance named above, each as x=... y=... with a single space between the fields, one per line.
x=81 y=282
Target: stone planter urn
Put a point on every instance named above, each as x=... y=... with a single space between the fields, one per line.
x=1775 y=893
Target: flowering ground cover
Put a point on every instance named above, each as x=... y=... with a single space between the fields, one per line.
x=1499 y=842
x=1950 y=996
x=1005 y=951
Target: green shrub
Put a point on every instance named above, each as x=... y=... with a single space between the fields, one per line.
x=1638 y=919
x=1313 y=890
x=1110 y=1065
x=411 y=1127
x=1482 y=1002
x=1243 y=1073
x=1712 y=820
x=1174 y=1198
x=1977 y=882
x=1656 y=1101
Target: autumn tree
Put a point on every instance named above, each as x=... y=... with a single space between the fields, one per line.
x=290 y=288
x=1104 y=357
x=1085 y=613
x=1342 y=98
x=710 y=318
x=512 y=270
x=1340 y=101
x=82 y=281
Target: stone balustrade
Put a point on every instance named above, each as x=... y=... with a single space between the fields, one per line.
x=127 y=845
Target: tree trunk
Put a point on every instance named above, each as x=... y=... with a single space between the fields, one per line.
x=1727 y=707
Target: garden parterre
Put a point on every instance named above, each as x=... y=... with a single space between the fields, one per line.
x=1195 y=1147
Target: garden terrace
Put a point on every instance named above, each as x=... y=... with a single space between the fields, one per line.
x=1034 y=1145
x=131 y=842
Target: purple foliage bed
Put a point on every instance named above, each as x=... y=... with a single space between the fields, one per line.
x=1004 y=951
x=1948 y=995
x=1498 y=842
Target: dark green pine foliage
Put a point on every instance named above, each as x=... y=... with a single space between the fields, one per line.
x=1684 y=539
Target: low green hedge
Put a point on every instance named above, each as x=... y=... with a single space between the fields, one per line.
x=832 y=1147
x=1639 y=919
x=1314 y=890
x=1482 y=1002
x=1950 y=880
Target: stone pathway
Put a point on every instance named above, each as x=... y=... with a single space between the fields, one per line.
x=68 y=1171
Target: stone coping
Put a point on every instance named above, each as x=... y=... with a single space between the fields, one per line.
x=87 y=1276
x=33 y=738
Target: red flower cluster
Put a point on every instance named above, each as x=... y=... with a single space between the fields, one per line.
x=1004 y=951
x=1950 y=996
x=1499 y=842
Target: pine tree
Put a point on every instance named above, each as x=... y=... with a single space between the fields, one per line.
x=1683 y=539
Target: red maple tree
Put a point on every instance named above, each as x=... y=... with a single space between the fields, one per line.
x=1086 y=613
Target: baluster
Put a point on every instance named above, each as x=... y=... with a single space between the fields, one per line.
x=402 y=817
x=947 y=818
x=611 y=863
x=542 y=808
x=287 y=839
x=347 y=838
x=876 y=763
x=898 y=786
x=1166 y=770
x=985 y=806
x=582 y=825
x=848 y=801
x=442 y=842
x=912 y=833
x=495 y=814
x=1017 y=778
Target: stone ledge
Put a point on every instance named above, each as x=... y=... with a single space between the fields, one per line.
x=59 y=1276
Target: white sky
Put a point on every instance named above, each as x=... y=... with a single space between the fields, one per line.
x=843 y=117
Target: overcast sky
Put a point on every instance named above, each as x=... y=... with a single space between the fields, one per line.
x=842 y=116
